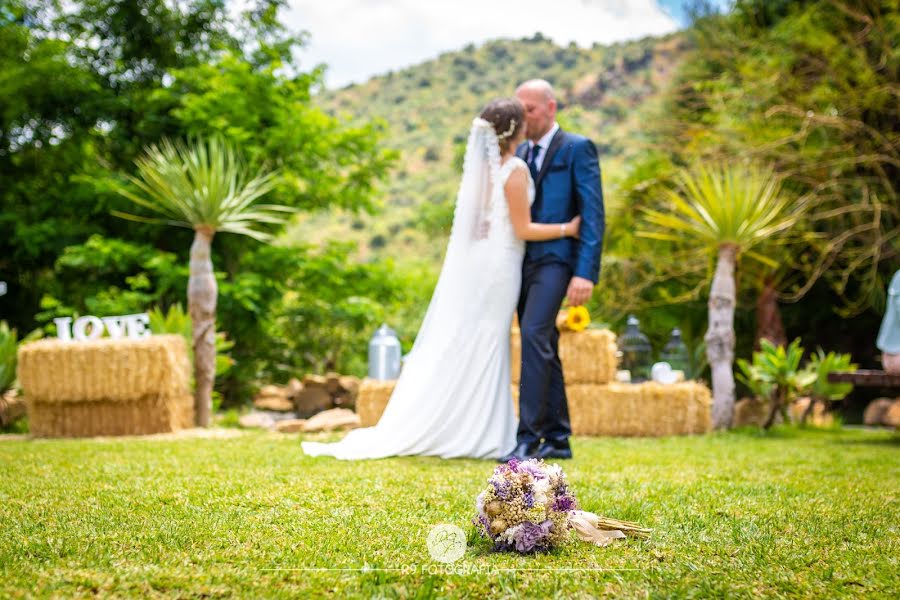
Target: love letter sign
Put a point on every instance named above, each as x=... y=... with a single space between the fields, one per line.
x=90 y=327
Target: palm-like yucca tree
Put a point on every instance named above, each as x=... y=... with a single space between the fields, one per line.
x=728 y=209
x=205 y=186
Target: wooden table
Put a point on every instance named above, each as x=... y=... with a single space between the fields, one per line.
x=866 y=378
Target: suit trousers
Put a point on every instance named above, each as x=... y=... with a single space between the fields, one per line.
x=543 y=407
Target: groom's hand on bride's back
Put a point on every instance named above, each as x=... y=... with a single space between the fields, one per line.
x=579 y=291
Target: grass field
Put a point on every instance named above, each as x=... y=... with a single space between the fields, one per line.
x=790 y=513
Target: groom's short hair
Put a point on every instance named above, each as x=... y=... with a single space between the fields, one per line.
x=540 y=85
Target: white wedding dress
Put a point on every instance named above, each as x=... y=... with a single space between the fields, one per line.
x=453 y=396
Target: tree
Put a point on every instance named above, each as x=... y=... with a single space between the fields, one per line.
x=204 y=186
x=729 y=210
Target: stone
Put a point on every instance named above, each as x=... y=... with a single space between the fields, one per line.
x=820 y=417
x=12 y=407
x=290 y=425
x=876 y=410
x=275 y=403
x=256 y=420
x=350 y=385
x=751 y=411
x=311 y=400
x=329 y=420
x=294 y=387
x=273 y=397
x=314 y=381
x=891 y=416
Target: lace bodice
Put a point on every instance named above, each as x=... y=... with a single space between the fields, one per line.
x=500 y=221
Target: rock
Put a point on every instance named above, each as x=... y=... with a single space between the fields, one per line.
x=891 y=416
x=346 y=401
x=350 y=385
x=312 y=400
x=290 y=425
x=275 y=403
x=273 y=397
x=314 y=381
x=256 y=420
x=271 y=390
x=751 y=411
x=876 y=410
x=294 y=387
x=12 y=407
x=333 y=383
x=329 y=420
x=820 y=417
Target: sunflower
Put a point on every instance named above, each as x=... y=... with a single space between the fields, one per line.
x=577 y=318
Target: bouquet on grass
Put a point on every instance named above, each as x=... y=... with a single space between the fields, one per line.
x=528 y=506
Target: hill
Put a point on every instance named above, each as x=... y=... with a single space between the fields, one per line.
x=427 y=109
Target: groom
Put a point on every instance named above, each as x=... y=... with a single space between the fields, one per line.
x=566 y=174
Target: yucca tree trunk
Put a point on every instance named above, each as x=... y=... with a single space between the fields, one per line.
x=202 y=293
x=720 y=337
x=769 y=325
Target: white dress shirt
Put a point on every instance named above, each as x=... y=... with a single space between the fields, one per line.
x=544 y=143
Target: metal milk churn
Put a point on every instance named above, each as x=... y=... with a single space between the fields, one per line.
x=384 y=354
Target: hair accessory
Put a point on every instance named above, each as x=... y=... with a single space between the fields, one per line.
x=508 y=132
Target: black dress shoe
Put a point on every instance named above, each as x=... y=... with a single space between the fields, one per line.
x=554 y=450
x=522 y=451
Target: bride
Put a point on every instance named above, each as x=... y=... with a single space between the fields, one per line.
x=453 y=397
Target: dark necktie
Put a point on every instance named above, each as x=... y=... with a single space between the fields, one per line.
x=532 y=161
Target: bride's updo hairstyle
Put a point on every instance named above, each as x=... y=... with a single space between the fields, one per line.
x=508 y=117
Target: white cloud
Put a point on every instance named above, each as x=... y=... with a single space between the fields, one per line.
x=361 y=38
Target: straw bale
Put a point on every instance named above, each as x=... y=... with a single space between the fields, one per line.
x=616 y=409
x=107 y=386
x=587 y=356
x=153 y=414
x=104 y=369
x=645 y=409
x=373 y=397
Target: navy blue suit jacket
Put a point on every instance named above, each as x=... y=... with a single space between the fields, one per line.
x=569 y=184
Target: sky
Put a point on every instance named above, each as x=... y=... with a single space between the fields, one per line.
x=357 y=39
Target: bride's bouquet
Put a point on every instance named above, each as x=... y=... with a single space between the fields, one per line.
x=528 y=506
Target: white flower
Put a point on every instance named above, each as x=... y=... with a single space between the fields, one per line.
x=508 y=535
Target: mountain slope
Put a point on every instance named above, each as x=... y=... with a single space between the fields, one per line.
x=428 y=108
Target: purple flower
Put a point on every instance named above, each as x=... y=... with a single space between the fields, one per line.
x=529 y=499
x=530 y=535
x=513 y=465
x=483 y=524
x=563 y=504
x=533 y=469
x=501 y=489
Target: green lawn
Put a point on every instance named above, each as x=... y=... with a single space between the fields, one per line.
x=789 y=513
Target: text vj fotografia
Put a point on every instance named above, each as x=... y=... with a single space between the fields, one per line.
x=90 y=327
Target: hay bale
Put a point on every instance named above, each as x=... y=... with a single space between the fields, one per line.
x=51 y=370
x=587 y=356
x=106 y=386
x=373 y=397
x=646 y=409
